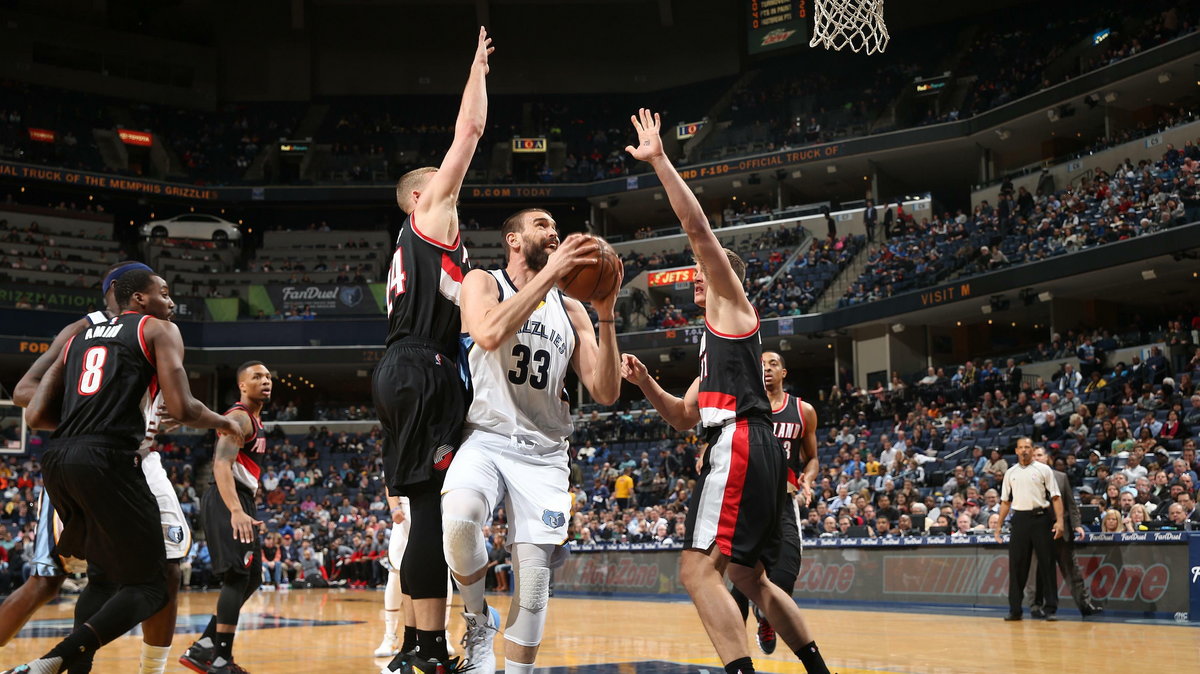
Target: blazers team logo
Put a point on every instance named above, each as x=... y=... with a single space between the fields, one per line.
x=442 y=457
x=553 y=518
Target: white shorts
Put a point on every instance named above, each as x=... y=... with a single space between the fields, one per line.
x=177 y=536
x=399 y=536
x=532 y=486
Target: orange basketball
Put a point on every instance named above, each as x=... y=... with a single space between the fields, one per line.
x=589 y=282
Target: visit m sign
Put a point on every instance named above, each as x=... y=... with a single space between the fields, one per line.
x=943 y=295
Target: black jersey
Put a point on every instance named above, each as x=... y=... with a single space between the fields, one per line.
x=108 y=380
x=423 y=286
x=731 y=384
x=246 y=469
x=788 y=423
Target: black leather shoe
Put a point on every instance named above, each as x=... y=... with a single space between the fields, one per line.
x=1037 y=613
x=1012 y=616
x=1091 y=610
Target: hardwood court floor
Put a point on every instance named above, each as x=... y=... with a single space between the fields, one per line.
x=336 y=631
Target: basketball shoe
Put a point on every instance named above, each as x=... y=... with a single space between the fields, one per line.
x=198 y=658
x=766 y=633
x=410 y=662
x=479 y=639
x=226 y=668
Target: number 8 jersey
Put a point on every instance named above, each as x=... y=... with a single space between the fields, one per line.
x=519 y=387
x=108 y=381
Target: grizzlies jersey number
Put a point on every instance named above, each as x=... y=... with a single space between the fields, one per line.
x=519 y=387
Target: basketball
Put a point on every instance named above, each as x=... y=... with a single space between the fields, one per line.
x=590 y=282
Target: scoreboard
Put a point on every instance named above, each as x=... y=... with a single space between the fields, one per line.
x=776 y=24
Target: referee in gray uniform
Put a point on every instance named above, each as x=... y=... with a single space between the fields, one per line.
x=1064 y=552
x=1029 y=490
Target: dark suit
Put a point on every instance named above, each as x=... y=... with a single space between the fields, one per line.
x=1064 y=553
x=1012 y=377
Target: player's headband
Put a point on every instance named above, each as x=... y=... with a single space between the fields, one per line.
x=120 y=271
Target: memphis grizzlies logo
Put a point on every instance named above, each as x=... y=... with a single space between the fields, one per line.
x=174 y=534
x=553 y=518
x=350 y=295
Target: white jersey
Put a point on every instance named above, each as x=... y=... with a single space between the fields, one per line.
x=150 y=406
x=519 y=387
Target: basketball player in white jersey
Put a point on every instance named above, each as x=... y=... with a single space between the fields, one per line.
x=524 y=335
x=48 y=574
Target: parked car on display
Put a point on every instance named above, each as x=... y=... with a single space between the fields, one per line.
x=193 y=226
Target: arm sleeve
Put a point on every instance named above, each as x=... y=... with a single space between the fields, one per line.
x=1006 y=489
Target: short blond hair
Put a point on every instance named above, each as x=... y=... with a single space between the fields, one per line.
x=409 y=183
x=735 y=261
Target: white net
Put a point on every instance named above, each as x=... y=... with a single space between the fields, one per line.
x=857 y=24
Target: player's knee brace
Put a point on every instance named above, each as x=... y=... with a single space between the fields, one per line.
x=463 y=544
x=463 y=513
x=533 y=595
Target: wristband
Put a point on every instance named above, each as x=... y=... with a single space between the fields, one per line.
x=606 y=320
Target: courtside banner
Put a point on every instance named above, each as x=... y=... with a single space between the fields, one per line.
x=42 y=135
x=667 y=277
x=528 y=144
x=347 y=299
x=1140 y=577
x=130 y=137
x=685 y=131
x=104 y=182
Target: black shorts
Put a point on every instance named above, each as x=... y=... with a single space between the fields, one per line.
x=742 y=487
x=109 y=516
x=782 y=557
x=421 y=403
x=228 y=553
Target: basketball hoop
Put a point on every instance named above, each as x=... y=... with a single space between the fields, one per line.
x=857 y=24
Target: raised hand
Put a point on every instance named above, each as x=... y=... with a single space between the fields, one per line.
x=648 y=126
x=482 y=50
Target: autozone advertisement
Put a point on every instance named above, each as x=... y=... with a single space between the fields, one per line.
x=1140 y=578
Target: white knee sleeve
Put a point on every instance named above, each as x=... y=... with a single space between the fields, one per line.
x=527 y=616
x=463 y=513
x=393 y=596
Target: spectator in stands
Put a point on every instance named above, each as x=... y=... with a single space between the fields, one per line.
x=1112 y=522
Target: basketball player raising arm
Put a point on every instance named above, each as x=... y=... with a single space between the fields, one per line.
x=734 y=509
x=436 y=211
x=416 y=387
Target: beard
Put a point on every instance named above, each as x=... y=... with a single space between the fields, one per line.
x=536 y=255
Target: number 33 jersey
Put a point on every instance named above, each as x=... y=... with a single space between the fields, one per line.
x=519 y=387
x=109 y=381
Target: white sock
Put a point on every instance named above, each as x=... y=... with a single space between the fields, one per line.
x=391 y=620
x=472 y=596
x=45 y=665
x=154 y=658
x=511 y=667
